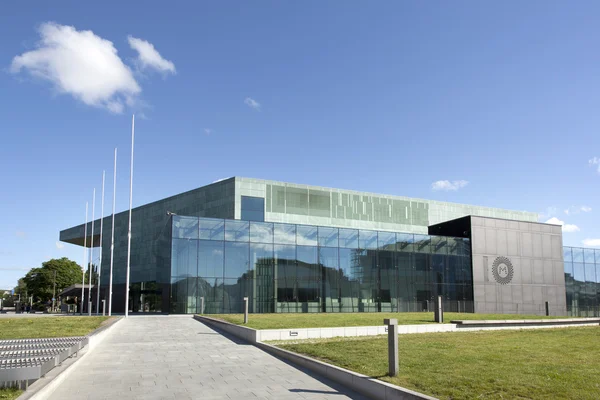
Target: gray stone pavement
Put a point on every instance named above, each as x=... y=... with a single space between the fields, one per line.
x=176 y=357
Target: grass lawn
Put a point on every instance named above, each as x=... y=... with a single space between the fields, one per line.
x=327 y=320
x=527 y=364
x=47 y=327
x=9 y=394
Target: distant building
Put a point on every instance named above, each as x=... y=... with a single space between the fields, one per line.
x=299 y=248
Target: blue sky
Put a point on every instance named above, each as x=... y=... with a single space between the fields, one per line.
x=499 y=99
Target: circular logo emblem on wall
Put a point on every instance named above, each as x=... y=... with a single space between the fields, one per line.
x=503 y=270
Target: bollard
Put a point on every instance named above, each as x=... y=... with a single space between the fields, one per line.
x=438 y=310
x=547 y=309
x=201 y=305
x=245 y=310
x=103 y=307
x=392 y=325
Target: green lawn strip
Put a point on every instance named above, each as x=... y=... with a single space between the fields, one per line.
x=522 y=364
x=327 y=320
x=9 y=394
x=48 y=327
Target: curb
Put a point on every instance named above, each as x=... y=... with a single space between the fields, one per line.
x=370 y=387
x=45 y=386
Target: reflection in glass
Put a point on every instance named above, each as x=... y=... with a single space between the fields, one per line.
x=284 y=233
x=212 y=229
x=328 y=237
x=261 y=232
x=237 y=231
x=307 y=235
x=367 y=239
x=348 y=238
x=185 y=227
x=329 y=273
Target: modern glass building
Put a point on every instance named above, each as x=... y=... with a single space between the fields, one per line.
x=298 y=248
x=582 y=281
x=293 y=268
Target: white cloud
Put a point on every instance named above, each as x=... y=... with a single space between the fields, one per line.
x=565 y=227
x=81 y=64
x=576 y=210
x=59 y=245
x=250 y=102
x=148 y=57
x=550 y=212
x=595 y=161
x=448 y=185
x=208 y=131
x=591 y=242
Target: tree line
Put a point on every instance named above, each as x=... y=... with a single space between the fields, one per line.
x=50 y=279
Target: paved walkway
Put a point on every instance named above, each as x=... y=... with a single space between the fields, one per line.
x=173 y=357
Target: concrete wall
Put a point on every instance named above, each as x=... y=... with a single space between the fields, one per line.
x=533 y=251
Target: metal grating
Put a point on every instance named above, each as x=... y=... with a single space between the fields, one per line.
x=24 y=361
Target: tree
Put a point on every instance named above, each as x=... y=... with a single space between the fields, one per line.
x=39 y=282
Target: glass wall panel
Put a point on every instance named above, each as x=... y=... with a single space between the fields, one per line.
x=405 y=242
x=328 y=237
x=210 y=258
x=261 y=232
x=284 y=233
x=237 y=260
x=588 y=256
x=212 y=229
x=439 y=245
x=577 y=254
x=237 y=231
x=309 y=279
x=307 y=235
x=367 y=239
x=348 y=238
x=329 y=260
x=300 y=268
x=386 y=241
x=422 y=244
x=185 y=227
x=567 y=254
x=253 y=209
x=261 y=258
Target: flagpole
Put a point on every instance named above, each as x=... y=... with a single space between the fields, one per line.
x=129 y=229
x=112 y=238
x=84 y=258
x=90 y=269
x=100 y=263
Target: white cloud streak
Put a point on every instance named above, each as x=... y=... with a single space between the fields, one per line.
x=59 y=245
x=576 y=210
x=149 y=57
x=591 y=242
x=569 y=228
x=250 y=102
x=81 y=64
x=448 y=185
x=595 y=161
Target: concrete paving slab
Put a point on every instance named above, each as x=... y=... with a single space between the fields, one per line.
x=170 y=357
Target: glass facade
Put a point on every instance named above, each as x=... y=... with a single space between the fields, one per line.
x=289 y=268
x=253 y=208
x=582 y=281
